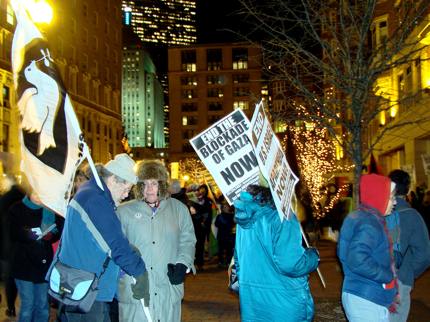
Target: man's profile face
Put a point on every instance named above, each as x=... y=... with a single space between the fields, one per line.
x=118 y=189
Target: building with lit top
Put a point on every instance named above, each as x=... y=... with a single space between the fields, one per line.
x=142 y=100
x=171 y=22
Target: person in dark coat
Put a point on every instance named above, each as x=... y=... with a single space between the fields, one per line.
x=33 y=230
x=14 y=194
x=225 y=235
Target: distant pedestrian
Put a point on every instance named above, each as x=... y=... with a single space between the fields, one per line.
x=271 y=263
x=225 y=234
x=425 y=210
x=410 y=242
x=365 y=251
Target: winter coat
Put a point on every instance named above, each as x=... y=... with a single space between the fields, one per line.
x=414 y=243
x=272 y=265
x=79 y=248
x=364 y=246
x=31 y=258
x=163 y=238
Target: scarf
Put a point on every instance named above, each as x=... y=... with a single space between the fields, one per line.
x=48 y=217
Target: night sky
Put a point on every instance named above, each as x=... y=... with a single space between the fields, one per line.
x=215 y=18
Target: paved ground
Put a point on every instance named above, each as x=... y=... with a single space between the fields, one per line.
x=207 y=297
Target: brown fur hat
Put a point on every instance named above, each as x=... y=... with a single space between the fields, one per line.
x=152 y=169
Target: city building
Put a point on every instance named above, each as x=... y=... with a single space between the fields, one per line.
x=206 y=82
x=84 y=38
x=406 y=90
x=162 y=21
x=142 y=100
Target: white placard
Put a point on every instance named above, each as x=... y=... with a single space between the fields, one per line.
x=272 y=161
x=225 y=150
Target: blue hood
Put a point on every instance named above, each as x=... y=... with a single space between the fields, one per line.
x=248 y=210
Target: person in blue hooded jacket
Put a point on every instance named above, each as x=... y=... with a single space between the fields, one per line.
x=271 y=263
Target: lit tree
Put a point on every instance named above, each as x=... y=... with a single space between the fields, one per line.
x=322 y=50
x=318 y=157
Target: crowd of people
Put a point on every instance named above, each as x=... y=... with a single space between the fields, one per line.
x=151 y=232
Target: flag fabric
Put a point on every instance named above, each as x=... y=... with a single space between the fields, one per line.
x=50 y=137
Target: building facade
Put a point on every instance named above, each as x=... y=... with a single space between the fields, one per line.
x=206 y=82
x=142 y=100
x=84 y=38
x=406 y=89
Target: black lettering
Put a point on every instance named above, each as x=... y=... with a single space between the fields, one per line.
x=237 y=169
x=249 y=161
x=226 y=137
x=233 y=133
x=228 y=176
x=204 y=152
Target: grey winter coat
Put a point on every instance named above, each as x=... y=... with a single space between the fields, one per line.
x=163 y=238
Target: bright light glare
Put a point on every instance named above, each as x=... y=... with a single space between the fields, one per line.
x=40 y=11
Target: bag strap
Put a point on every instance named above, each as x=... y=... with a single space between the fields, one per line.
x=96 y=234
x=84 y=216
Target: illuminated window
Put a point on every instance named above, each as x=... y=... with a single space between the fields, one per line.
x=379 y=32
x=184 y=120
x=240 y=78
x=214 y=59
x=188 y=61
x=243 y=105
x=240 y=58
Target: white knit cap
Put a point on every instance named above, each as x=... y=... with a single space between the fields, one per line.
x=123 y=167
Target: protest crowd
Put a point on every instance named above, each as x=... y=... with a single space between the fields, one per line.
x=116 y=241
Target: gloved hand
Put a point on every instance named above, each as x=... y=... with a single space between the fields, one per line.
x=141 y=288
x=176 y=273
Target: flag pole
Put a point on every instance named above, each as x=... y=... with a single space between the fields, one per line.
x=92 y=165
x=307 y=245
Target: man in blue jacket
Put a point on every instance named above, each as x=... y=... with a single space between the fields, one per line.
x=80 y=248
x=410 y=242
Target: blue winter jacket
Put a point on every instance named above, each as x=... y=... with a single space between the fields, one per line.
x=409 y=231
x=364 y=252
x=272 y=265
x=80 y=249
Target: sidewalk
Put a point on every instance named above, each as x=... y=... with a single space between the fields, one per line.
x=208 y=299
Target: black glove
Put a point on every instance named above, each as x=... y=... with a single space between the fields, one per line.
x=141 y=288
x=176 y=273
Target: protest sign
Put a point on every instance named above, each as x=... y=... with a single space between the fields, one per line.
x=225 y=150
x=272 y=161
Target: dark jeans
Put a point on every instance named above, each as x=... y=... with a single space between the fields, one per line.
x=34 y=301
x=99 y=313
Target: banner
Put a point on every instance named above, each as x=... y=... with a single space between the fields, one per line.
x=225 y=150
x=272 y=161
x=426 y=163
x=50 y=137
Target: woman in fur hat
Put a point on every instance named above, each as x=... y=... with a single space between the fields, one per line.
x=161 y=228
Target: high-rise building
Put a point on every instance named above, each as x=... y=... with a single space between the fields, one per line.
x=170 y=22
x=84 y=38
x=206 y=82
x=142 y=100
